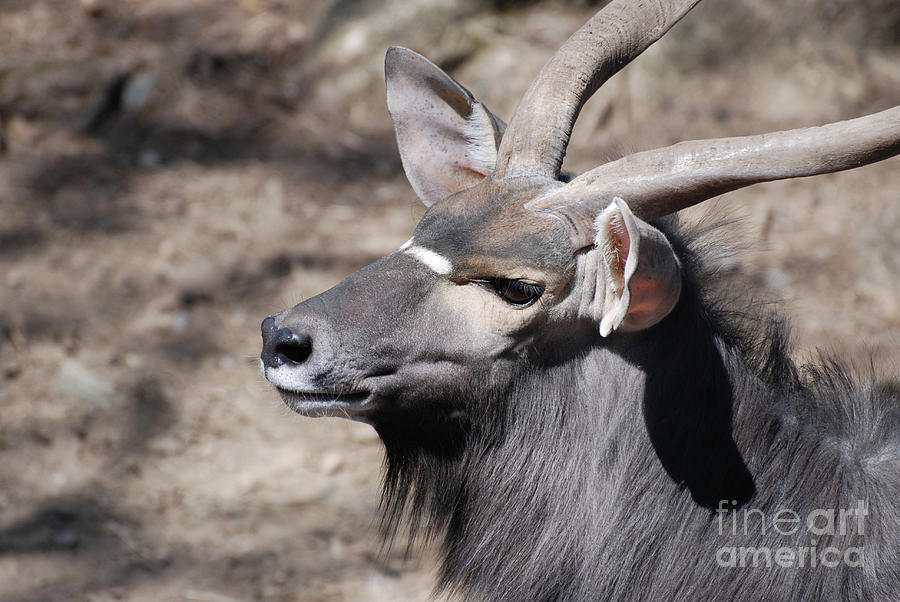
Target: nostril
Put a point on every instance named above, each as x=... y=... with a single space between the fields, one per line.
x=293 y=347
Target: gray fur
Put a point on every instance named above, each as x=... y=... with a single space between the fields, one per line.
x=554 y=488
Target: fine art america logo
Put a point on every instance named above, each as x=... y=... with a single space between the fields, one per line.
x=819 y=526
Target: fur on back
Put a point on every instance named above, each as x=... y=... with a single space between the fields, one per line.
x=593 y=468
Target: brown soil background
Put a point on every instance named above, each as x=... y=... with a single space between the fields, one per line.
x=172 y=172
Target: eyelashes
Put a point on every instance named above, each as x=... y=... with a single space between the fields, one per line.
x=517 y=293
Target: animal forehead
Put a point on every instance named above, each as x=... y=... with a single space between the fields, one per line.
x=478 y=232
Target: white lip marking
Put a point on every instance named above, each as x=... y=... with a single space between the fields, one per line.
x=406 y=245
x=436 y=262
x=288 y=378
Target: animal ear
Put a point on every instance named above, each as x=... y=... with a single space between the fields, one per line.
x=448 y=140
x=641 y=272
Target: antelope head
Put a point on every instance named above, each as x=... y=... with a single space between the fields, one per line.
x=512 y=267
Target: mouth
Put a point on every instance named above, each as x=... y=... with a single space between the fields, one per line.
x=318 y=404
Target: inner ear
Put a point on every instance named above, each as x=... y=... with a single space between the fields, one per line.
x=616 y=248
x=642 y=274
x=448 y=140
x=448 y=90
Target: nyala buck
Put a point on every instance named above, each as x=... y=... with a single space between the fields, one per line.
x=565 y=403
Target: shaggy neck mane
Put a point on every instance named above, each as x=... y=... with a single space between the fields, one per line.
x=535 y=487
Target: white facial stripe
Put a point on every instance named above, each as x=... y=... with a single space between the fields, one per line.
x=405 y=245
x=436 y=262
x=289 y=378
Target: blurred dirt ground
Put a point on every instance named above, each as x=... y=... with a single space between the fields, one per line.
x=172 y=172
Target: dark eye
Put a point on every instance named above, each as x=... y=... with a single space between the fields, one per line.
x=517 y=292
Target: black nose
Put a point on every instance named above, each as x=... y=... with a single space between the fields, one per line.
x=283 y=345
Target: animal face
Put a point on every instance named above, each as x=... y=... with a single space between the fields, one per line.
x=510 y=261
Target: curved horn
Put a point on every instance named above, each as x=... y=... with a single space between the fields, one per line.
x=535 y=142
x=665 y=180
